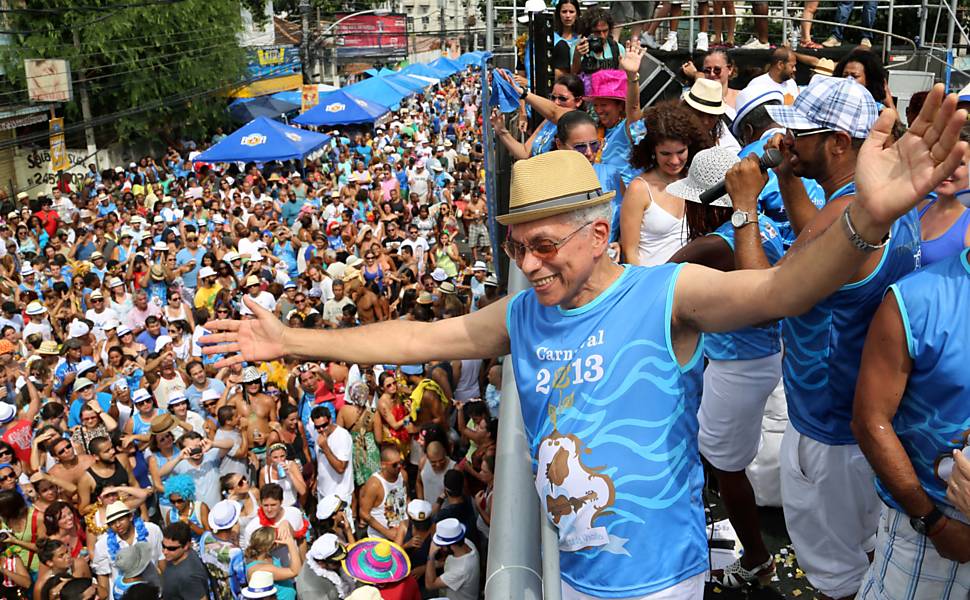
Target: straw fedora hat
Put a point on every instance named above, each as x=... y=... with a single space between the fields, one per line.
x=706 y=96
x=550 y=184
x=824 y=66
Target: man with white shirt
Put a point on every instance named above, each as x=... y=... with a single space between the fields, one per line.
x=780 y=75
x=335 y=471
x=37 y=314
x=98 y=314
x=419 y=245
x=264 y=299
x=125 y=529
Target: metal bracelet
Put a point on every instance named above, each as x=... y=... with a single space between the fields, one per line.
x=857 y=240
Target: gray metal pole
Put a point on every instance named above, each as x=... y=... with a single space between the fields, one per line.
x=514 y=567
x=490 y=25
x=515 y=21
x=887 y=45
x=92 y=145
x=690 y=35
x=305 y=40
x=551 y=579
x=951 y=27
x=924 y=9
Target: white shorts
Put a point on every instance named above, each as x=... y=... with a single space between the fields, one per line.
x=908 y=566
x=732 y=406
x=831 y=511
x=691 y=588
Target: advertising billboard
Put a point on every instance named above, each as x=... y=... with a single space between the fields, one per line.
x=372 y=36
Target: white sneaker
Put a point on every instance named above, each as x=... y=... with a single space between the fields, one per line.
x=671 y=44
x=647 y=40
x=702 y=44
x=756 y=44
x=866 y=43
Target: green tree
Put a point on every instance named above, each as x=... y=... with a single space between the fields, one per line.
x=178 y=57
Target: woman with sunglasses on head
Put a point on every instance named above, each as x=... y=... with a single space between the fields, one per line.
x=567 y=94
x=284 y=473
x=291 y=433
x=717 y=66
x=394 y=415
x=651 y=220
x=237 y=488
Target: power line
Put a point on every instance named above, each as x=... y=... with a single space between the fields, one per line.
x=173 y=100
x=107 y=7
x=169 y=37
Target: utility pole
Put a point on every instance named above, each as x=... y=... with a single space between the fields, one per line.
x=441 y=26
x=82 y=85
x=490 y=25
x=305 y=40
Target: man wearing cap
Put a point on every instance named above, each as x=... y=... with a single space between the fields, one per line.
x=99 y=313
x=320 y=578
x=205 y=295
x=37 y=322
x=754 y=127
x=460 y=576
x=29 y=282
x=559 y=237
x=125 y=529
x=219 y=545
x=66 y=370
x=831 y=506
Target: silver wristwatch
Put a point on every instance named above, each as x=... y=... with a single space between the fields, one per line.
x=740 y=218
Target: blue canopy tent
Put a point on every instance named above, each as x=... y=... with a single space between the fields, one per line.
x=244 y=110
x=341 y=108
x=378 y=90
x=445 y=64
x=408 y=81
x=424 y=71
x=383 y=71
x=263 y=140
x=472 y=58
x=296 y=96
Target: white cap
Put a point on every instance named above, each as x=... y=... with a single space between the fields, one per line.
x=77 y=329
x=161 y=341
x=111 y=324
x=209 y=395
x=85 y=365
x=327 y=506
x=324 y=547
x=419 y=510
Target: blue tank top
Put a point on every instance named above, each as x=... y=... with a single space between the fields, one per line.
x=823 y=347
x=748 y=343
x=611 y=420
x=950 y=243
x=616 y=151
x=932 y=419
x=544 y=138
x=611 y=181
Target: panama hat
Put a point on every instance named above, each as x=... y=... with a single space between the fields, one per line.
x=260 y=585
x=540 y=190
x=116 y=510
x=36 y=308
x=367 y=592
x=224 y=515
x=706 y=170
x=49 y=348
x=706 y=96
x=824 y=66
x=162 y=423
x=376 y=560
x=448 y=532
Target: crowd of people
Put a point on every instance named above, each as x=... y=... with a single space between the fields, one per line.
x=135 y=466
x=283 y=381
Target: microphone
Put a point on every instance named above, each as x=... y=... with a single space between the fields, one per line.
x=769 y=160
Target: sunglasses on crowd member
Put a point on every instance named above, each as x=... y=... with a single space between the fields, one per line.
x=559 y=99
x=715 y=71
x=584 y=147
x=543 y=249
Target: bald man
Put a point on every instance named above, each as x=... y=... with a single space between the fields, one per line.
x=431 y=472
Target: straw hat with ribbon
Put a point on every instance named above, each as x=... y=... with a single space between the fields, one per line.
x=706 y=96
x=541 y=187
x=375 y=560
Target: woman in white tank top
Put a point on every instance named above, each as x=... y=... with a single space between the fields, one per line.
x=652 y=225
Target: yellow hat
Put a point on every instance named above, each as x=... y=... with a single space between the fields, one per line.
x=550 y=184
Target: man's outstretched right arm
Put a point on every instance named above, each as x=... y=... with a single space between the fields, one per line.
x=481 y=334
